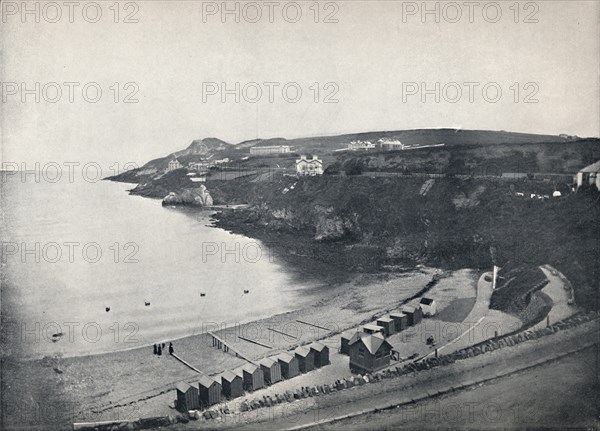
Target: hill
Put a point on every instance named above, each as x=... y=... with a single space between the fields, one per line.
x=327 y=145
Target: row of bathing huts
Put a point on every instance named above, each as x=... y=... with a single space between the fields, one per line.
x=250 y=377
x=368 y=348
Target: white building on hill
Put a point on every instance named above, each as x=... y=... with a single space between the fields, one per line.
x=361 y=145
x=174 y=164
x=392 y=144
x=309 y=166
x=272 y=149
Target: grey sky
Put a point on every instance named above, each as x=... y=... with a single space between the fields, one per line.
x=369 y=55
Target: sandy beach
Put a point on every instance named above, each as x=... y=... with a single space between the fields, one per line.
x=133 y=383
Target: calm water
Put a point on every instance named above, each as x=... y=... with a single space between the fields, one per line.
x=178 y=258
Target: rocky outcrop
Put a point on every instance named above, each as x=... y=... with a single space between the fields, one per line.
x=192 y=197
x=331 y=227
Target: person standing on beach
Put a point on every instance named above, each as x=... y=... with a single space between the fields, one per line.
x=171 y=350
x=155 y=350
x=159 y=350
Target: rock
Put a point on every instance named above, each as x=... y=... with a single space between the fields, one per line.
x=194 y=197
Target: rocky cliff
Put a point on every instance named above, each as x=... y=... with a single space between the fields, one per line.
x=199 y=197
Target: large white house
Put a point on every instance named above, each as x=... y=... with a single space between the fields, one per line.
x=392 y=144
x=309 y=167
x=272 y=149
x=361 y=145
x=174 y=164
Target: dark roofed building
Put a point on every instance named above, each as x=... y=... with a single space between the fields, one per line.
x=232 y=385
x=306 y=358
x=209 y=391
x=289 y=364
x=345 y=341
x=271 y=370
x=400 y=321
x=369 y=352
x=387 y=323
x=187 y=397
x=253 y=377
x=321 y=354
x=413 y=313
x=371 y=328
x=428 y=306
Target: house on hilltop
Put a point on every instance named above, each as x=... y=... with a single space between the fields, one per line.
x=309 y=166
x=174 y=164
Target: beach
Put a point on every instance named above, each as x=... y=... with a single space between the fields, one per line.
x=136 y=383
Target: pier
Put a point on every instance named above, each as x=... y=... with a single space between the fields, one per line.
x=221 y=344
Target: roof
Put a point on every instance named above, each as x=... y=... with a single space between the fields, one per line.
x=373 y=327
x=349 y=334
x=182 y=387
x=594 y=167
x=302 y=351
x=371 y=341
x=426 y=301
x=239 y=371
x=229 y=376
x=267 y=362
x=397 y=314
x=206 y=381
x=249 y=368
x=284 y=357
x=318 y=347
x=385 y=319
x=409 y=309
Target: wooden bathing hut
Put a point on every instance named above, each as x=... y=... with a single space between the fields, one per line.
x=413 y=313
x=209 y=391
x=400 y=321
x=289 y=364
x=321 y=354
x=271 y=370
x=253 y=377
x=187 y=397
x=232 y=385
x=306 y=358
x=387 y=323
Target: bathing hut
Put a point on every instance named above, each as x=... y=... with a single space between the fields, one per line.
x=428 y=306
x=306 y=358
x=232 y=385
x=414 y=314
x=271 y=370
x=400 y=321
x=289 y=364
x=253 y=377
x=346 y=338
x=321 y=354
x=187 y=397
x=387 y=323
x=209 y=391
x=371 y=328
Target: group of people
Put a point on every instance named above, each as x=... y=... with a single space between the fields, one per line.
x=158 y=349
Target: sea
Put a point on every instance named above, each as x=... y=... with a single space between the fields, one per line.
x=89 y=269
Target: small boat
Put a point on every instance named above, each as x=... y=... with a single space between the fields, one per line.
x=246 y=291
x=203 y=295
x=107 y=309
x=146 y=303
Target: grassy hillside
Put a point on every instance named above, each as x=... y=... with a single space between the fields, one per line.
x=385 y=223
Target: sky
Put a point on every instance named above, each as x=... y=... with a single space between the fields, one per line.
x=359 y=65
